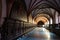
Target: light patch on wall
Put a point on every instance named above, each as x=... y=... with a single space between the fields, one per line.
x=43 y=19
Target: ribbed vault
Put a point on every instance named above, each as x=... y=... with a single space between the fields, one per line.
x=35 y=7
x=33 y=4
x=30 y=5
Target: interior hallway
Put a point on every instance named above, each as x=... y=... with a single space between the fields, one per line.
x=29 y=19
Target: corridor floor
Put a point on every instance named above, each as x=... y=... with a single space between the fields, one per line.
x=39 y=34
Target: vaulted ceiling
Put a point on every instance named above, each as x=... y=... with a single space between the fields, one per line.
x=35 y=7
x=32 y=4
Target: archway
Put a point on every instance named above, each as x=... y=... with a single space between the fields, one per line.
x=40 y=23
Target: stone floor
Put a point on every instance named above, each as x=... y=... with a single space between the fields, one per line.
x=39 y=34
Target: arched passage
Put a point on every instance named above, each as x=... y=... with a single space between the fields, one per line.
x=22 y=9
x=40 y=23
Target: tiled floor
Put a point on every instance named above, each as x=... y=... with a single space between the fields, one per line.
x=39 y=34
